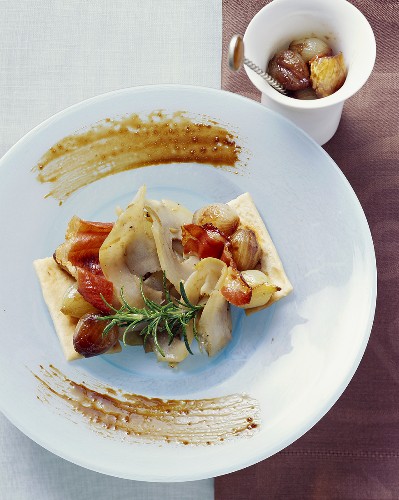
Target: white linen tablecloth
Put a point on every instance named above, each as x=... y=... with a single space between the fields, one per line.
x=54 y=54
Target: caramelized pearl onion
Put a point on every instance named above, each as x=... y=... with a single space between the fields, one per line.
x=289 y=69
x=88 y=339
x=261 y=288
x=245 y=249
x=73 y=303
x=307 y=94
x=308 y=69
x=309 y=48
x=219 y=215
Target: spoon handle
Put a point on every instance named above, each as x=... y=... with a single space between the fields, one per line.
x=271 y=81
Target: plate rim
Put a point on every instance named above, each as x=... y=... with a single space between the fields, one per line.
x=239 y=464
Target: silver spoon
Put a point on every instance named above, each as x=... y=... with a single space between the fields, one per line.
x=237 y=59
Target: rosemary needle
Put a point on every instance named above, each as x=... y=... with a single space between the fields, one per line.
x=171 y=317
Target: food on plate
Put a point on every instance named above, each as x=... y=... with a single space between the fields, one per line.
x=160 y=277
x=56 y=284
x=308 y=69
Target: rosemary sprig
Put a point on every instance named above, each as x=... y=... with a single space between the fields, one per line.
x=172 y=317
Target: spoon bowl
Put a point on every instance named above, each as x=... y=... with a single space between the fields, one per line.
x=237 y=59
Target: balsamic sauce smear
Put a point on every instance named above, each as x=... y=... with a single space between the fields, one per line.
x=185 y=421
x=114 y=146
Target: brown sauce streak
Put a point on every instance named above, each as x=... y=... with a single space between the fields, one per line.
x=187 y=422
x=114 y=146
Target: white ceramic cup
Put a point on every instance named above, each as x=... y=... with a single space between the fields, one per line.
x=345 y=29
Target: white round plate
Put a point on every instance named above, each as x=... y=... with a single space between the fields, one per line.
x=296 y=357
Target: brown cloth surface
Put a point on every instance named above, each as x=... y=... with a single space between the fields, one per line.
x=353 y=452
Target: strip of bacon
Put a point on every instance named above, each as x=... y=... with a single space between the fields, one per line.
x=235 y=289
x=227 y=256
x=79 y=255
x=203 y=241
x=93 y=287
x=84 y=255
x=86 y=243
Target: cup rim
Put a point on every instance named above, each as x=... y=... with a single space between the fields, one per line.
x=341 y=94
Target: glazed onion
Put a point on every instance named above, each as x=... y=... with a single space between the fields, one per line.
x=219 y=215
x=289 y=69
x=262 y=289
x=244 y=249
x=309 y=48
x=307 y=94
x=88 y=339
x=73 y=303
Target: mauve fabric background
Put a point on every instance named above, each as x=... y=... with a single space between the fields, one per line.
x=353 y=452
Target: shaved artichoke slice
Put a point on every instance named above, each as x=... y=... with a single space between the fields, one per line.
x=129 y=252
x=167 y=219
x=177 y=351
x=199 y=286
x=204 y=279
x=215 y=325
